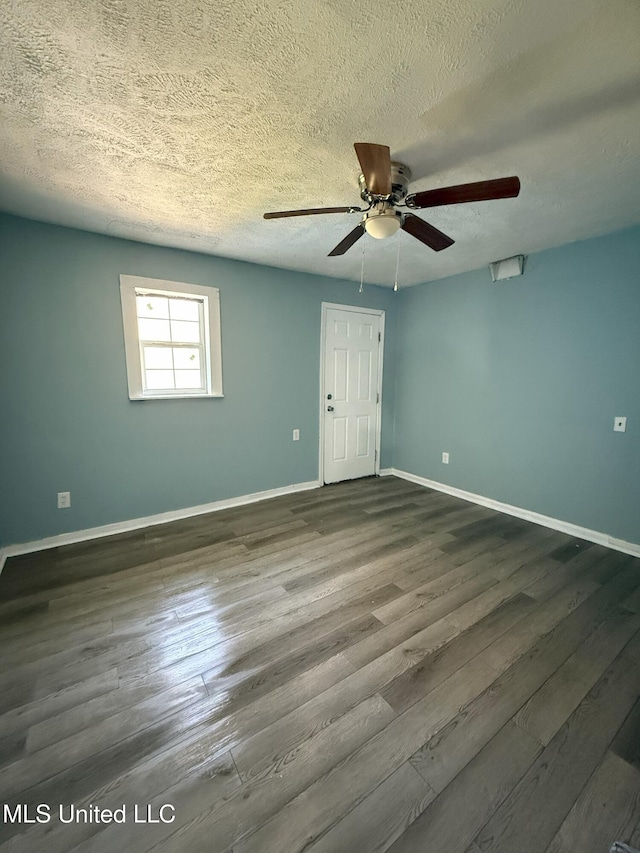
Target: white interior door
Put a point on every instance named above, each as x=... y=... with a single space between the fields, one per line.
x=352 y=361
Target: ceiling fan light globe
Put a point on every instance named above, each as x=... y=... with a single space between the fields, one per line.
x=382 y=226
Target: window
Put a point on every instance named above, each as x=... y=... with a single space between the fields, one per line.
x=172 y=338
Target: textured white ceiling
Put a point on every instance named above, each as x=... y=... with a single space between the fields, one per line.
x=180 y=122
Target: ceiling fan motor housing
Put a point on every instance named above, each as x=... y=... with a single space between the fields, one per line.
x=400 y=180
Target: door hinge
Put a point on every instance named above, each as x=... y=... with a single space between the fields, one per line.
x=379 y=337
x=377 y=397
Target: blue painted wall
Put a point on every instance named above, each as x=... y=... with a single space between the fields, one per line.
x=67 y=422
x=520 y=382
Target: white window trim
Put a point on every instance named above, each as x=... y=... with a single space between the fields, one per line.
x=213 y=347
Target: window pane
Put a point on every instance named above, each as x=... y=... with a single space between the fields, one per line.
x=186 y=358
x=184 y=309
x=188 y=379
x=182 y=330
x=158 y=380
x=152 y=306
x=154 y=330
x=157 y=358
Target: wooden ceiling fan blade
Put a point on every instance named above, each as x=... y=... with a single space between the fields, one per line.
x=280 y=214
x=478 y=191
x=426 y=233
x=375 y=162
x=351 y=238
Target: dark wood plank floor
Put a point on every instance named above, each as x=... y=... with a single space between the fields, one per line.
x=369 y=666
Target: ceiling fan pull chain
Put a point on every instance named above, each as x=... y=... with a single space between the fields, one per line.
x=395 y=284
x=361 y=288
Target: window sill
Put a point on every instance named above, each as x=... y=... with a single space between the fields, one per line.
x=178 y=397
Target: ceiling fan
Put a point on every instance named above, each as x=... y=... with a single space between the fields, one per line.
x=383 y=186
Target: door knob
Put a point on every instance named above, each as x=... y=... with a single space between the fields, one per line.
x=329 y=408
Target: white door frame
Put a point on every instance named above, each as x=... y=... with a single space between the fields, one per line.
x=378 y=312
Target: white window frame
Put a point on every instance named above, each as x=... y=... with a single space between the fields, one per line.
x=209 y=297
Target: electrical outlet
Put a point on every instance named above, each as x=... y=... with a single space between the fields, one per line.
x=296 y=435
x=445 y=458
x=64 y=500
x=619 y=424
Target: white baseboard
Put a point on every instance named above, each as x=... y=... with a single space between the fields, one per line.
x=149 y=520
x=528 y=515
x=242 y=500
